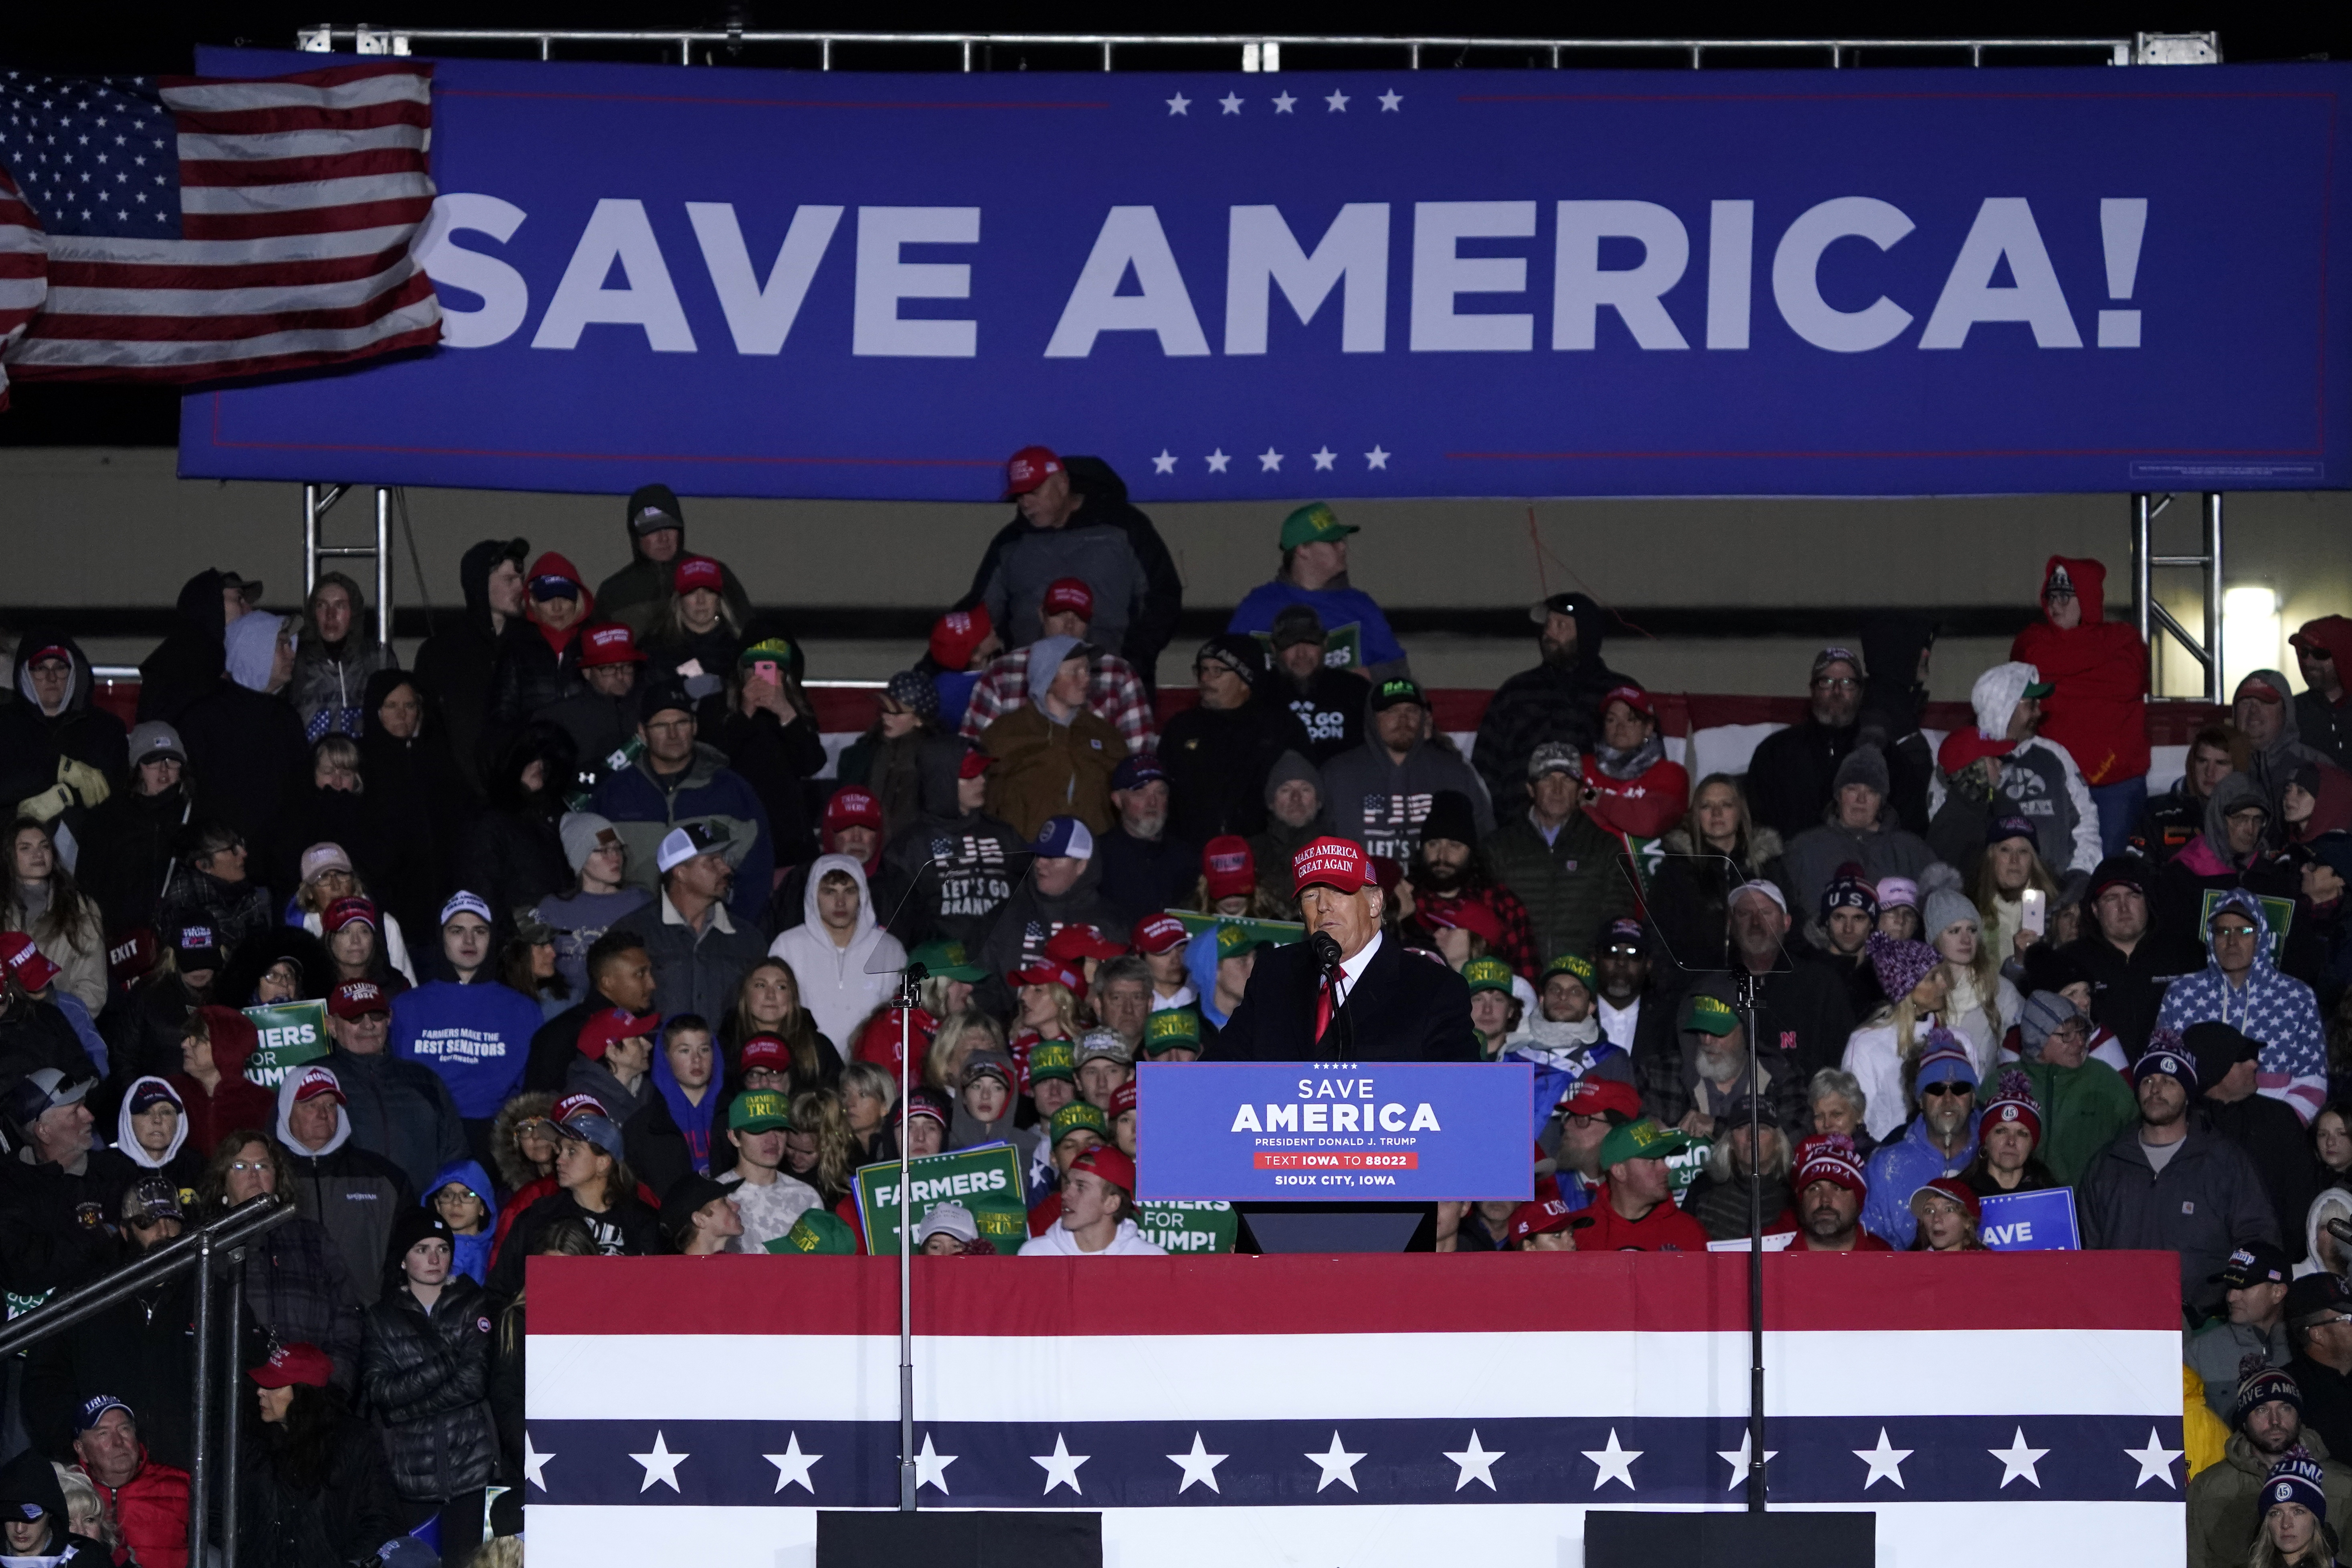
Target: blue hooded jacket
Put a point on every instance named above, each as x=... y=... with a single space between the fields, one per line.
x=694 y=1121
x=473 y=1254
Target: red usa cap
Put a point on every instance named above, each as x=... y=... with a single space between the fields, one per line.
x=1080 y=940
x=1122 y=1100
x=1028 y=468
x=609 y=642
x=314 y=1082
x=601 y=1029
x=1070 y=595
x=695 y=572
x=1158 y=934
x=1331 y=862
x=356 y=999
x=1539 y=1217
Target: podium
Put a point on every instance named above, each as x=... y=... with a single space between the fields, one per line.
x=1334 y=1156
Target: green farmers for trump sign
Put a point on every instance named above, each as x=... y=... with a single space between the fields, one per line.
x=291 y=1034
x=986 y=1179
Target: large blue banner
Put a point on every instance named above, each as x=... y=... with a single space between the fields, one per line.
x=1313 y=1131
x=1266 y=286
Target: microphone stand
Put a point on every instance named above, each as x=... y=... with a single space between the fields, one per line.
x=1745 y=985
x=1325 y=950
x=912 y=976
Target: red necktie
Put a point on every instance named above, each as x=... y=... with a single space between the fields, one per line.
x=1323 y=1008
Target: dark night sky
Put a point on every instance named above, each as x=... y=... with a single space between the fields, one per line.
x=160 y=38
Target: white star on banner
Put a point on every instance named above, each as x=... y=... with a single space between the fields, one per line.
x=1061 y=1466
x=2155 y=1462
x=661 y=1464
x=1217 y=461
x=1200 y=1465
x=931 y=1467
x=1737 y=1459
x=1282 y=103
x=1338 y=100
x=1376 y=458
x=1616 y=1464
x=793 y=1466
x=1231 y=103
x=1269 y=461
x=1178 y=104
x=2018 y=1460
x=1339 y=1465
x=1164 y=464
x=1477 y=1464
x=1885 y=1462
x=1323 y=459
x=534 y=1463
x=1389 y=100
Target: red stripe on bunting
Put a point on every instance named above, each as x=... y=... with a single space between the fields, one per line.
x=1613 y=1293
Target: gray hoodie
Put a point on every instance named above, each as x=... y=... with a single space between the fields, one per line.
x=1380 y=802
x=958 y=865
x=1096 y=553
x=2274 y=764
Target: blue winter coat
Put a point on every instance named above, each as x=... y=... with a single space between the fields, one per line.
x=473 y=1254
x=1902 y=1166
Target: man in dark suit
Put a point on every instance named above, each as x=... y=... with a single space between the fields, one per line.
x=1389 y=1005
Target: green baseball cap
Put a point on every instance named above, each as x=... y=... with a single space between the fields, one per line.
x=1488 y=975
x=1709 y=1015
x=1170 y=1028
x=1077 y=1113
x=1571 y=964
x=1642 y=1140
x=2036 y=689
x=1232 y=941
x=948 y=961
x=760 y=1111
x=817 y=1232
x=1313 y=522
x=1053 y=1058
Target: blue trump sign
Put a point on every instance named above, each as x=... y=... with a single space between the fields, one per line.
x=2030 y=1222
x=1265 y=287
x=1320 y=1130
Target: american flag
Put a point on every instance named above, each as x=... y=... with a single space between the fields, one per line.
x=191 y=229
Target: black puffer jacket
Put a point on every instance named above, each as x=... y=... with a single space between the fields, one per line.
x=236 y=911
x=1548 y=703
x=316 y=1509
x=513 y=856
x=427 y=1377
x=458 y=662
x=192 y=657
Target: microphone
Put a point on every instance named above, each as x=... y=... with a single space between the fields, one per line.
x=2340 y=1230
x=1325 y=949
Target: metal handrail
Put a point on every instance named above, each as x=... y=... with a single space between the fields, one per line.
x=203 y=1249
x=2120 y=50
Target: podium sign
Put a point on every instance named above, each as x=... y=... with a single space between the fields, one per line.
x=1319 y=1131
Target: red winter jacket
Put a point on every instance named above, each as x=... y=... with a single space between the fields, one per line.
x=2098 y=709
x=150 y=1510
x=1642 y=807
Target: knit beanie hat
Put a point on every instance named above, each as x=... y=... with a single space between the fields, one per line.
x=1945 y=905
x=1863 y=765
x=2261 y=1385
x=2013 y=1101
x=2043 y=1012
x=1451 y=816
x=1900 y=964
x=1288 y=768
x=582 y=831
x=2296 y=1479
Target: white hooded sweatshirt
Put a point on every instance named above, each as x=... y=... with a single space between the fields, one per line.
x=1059 y=1242
x=286 y=1110
x=2041 y=775
x=126 y=1138
x=840 y=987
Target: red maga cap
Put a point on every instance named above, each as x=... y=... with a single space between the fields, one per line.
x=1028 y=468
x=33 y=971
x=1159 y=933
x=572 y=1105
x=1593 y=1096
x=1331 y=862
x=1080 y=940
x=1633 y=697
x=853 y=807
x=1107 y=1162
x=1070 y=595
x=291 y=1363
x=609 y=642
x=317 y=1081
x=766 y=1051
x=1229 y=868
x=695 y=572
x=601 y=1029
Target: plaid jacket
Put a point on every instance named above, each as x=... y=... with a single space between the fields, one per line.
x=1113 y=692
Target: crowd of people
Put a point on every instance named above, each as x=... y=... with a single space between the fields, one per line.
x=606 y=949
